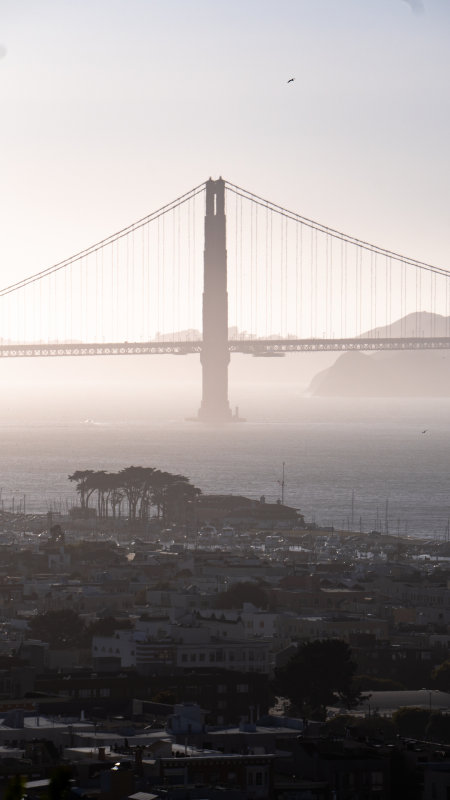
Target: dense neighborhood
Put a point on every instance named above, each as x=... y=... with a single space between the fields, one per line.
x=164 y=644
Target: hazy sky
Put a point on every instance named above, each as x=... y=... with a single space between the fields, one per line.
x=110 y=108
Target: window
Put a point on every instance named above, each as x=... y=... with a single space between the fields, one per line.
x=221 y=688
x=242 y=688
x=184 y=657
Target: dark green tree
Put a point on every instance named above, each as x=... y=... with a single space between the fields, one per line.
x=61 y=629
x=438 y=728
x=374 y=726
x=165 y=696
x=106 y=626
x=143 y=488
x=15 y=788
x=319 y=674
x=58 y=788
x=84 y=487
x=240 y=593
x=99 y=481
x=134 y=483
x=374 y=683
x=411 y=722
x=441 y=676
x=179 y=493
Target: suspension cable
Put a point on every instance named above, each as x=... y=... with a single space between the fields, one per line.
x=333 y=232
x=104 y=242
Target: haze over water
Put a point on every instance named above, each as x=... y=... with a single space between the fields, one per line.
x=375 y=449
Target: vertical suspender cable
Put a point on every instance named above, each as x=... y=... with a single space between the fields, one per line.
x=161 y=303
x=286 y=279
x=360 y=269
x=316 y=290
x=256 y=275
x=270 y=271
x=149 y=311
x=281 y=275
x=341 y=293
x=97 y=295
x=295 y=331
x=389 y=314
x=125 y=276
x=140 y=330
x=325 y=250
x=433 y=305
x=189 y=277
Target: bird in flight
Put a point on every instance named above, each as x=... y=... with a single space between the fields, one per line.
x=291 y=80
x=425 y=431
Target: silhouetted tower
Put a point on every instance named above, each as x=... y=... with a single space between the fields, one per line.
x=215 y=355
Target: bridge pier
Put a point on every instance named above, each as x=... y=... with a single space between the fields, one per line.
x=215 y=355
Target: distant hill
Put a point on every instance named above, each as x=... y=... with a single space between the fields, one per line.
x=421 y=324
x=423 y=373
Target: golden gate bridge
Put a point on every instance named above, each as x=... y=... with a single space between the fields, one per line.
x=218 y=271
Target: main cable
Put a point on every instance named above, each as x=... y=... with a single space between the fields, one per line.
x=115 y=237
x=317 y=226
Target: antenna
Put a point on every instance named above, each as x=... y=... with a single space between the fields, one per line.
x=281 y=483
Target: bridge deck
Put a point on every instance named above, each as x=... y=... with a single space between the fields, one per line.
x=256 y=347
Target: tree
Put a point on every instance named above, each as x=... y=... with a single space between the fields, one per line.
x=179 y=492
x=166 y=696
x=115 y=493
x=84 y=486
x=143 y=487
x=15 y=789
x=438 y=728
x=371 y=682
x=375 y=726
x=315 y=674
x=61 y=629
x=59 y=785
x=99 y=481
x=135 y=482
x=441 y=676
x=240 y=593
x=411 y=721
x=107 y=626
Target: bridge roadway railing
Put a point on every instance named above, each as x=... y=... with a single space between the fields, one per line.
x=256 y=347
x=274 y=347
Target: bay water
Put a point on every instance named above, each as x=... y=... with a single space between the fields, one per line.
x=365 y=464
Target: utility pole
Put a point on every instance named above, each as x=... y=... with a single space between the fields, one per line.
x=281 y=483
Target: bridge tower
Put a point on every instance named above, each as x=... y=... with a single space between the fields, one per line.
x=215 y=355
